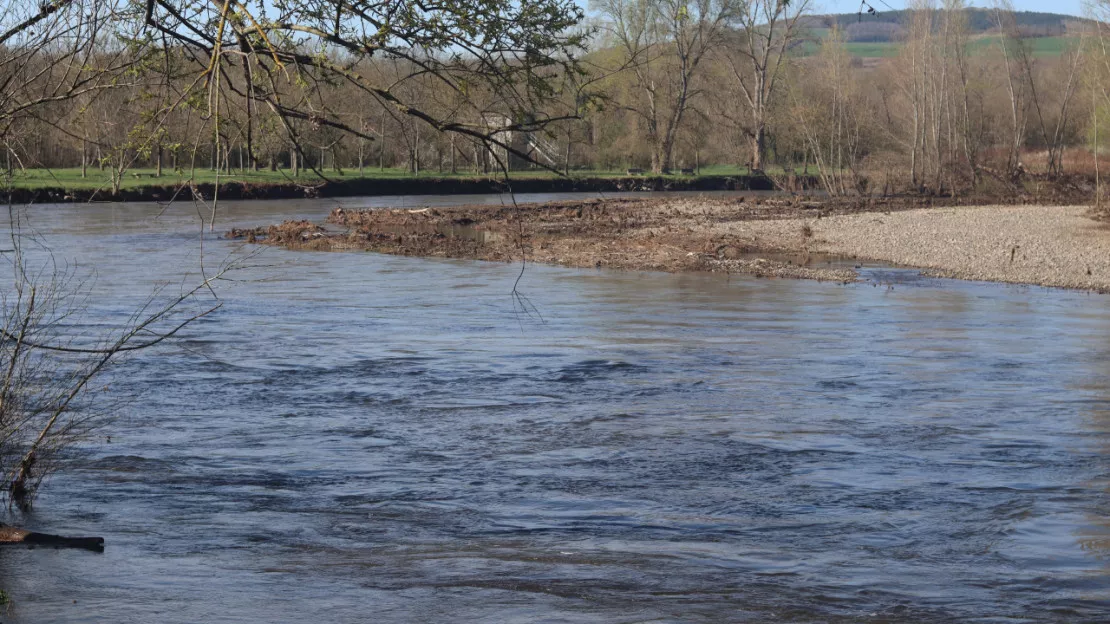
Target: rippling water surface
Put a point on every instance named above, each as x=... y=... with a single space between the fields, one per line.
x=357 y=437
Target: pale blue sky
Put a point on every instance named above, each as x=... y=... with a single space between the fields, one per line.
x=1069 y=7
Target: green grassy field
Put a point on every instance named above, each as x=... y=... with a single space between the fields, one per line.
x=139 y=177
x=1042 y=47
x=873 y=49
x=70 y=179
x=859 y=49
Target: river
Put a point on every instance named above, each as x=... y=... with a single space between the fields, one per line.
x=356 y=437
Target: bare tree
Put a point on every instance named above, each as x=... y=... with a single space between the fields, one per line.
x=1013 y=51
x=756 y=60
x=832 y=115
x=46 y=401
x=1022 y=84
x=51 y=53
x=519 y=50
x=664 y=42
x=56 y=52
x=1098 y=78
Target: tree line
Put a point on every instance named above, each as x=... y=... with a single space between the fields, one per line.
x=335 y=87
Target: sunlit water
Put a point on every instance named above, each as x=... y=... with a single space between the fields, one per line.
x=357 y=437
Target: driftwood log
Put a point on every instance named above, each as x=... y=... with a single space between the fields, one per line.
x=11 y=536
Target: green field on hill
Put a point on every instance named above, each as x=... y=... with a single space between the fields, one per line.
x=1041 y=47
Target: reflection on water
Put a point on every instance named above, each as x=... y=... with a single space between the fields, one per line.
x=362 y=437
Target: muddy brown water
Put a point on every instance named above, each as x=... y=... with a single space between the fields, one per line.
x=357 y=437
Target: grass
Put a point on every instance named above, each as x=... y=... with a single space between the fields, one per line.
x=70 y=178
x=1041 y=47
x=731 y=170
x=139 y=177
x=881 y=49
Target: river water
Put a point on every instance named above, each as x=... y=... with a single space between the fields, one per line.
x=356 y=437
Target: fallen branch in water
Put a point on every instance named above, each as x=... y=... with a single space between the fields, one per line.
x=11 y=536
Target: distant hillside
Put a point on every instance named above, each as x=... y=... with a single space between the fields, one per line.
x=979 y=21
x=881 y=35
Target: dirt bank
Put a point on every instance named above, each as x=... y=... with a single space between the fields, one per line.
x=769 y=237
x=354 y=187
x=641 y=234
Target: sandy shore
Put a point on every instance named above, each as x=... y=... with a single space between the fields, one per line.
x=1046 y=245
x=768 y=237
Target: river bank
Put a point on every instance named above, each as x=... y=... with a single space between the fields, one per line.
x=369 y=186
x=1057 y=246
x=792 y=237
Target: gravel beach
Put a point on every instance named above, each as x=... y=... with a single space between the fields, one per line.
x=1046 y=245
x=1057 y=246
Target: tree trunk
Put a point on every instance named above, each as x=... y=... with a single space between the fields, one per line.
x=759 y=147
x=381 y=147
x=1014 y=155
x=158 y=162
x=665 y=156
x=84 y=160
x=248 y=75
x=1098 y=181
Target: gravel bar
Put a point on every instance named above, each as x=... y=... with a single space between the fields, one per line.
x=1058 y=246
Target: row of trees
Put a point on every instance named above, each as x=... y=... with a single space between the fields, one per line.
x=336 y=86
x=233 y=84
x=951 y=109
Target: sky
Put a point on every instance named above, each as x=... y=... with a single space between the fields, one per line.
x=1068 y=7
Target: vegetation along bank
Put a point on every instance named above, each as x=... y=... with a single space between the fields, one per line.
x=447 y=185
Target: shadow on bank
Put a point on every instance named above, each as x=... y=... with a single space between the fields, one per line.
x=404 y=186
